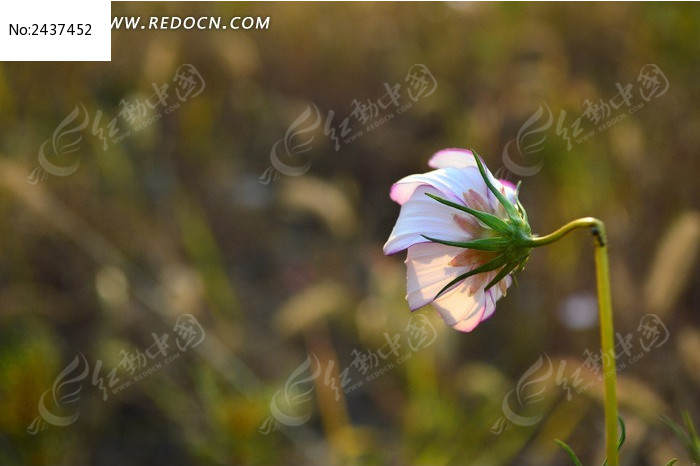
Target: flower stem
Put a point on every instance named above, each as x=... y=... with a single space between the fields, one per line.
x=608 y=346
x=596 y=226
x=606 y=322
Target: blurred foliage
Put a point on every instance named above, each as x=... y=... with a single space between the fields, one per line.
x=688 y=435
x=173 y=220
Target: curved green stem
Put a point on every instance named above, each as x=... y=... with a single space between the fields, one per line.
x=606 y=322
x=596 y=226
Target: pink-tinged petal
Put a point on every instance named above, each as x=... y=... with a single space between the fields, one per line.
x=508 y=184
x=422 y=215
x=497 y=293
x=479 y=281
x=451 y=182
x=427 y=272
x=432 y=266
x=458 y=158
x=456 y=161
x=464 y=311
x=476 y=201
x=507 y=189
x=460 y=309
x=472 y=258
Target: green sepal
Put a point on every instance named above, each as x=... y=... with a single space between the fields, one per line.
x=508 y=268
x=489 y=220
x=510 y=208
x=522 y=212
x=493 y=264
x=482 y=244
x=521 y=265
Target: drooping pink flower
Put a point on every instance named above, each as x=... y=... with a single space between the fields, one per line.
x=464 y=238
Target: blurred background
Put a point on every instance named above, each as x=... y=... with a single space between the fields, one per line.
x=191 y=267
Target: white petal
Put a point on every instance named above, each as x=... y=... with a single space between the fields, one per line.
x=458 y=158
x=505 y=187
x=461 y=310
x=422 y=215
x=490 y=305
x=428 y=272
x=451 y=182
x=464 y=312
x=496 y=294
x=511 y=195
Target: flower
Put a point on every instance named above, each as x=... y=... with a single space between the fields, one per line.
x=466 y=233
